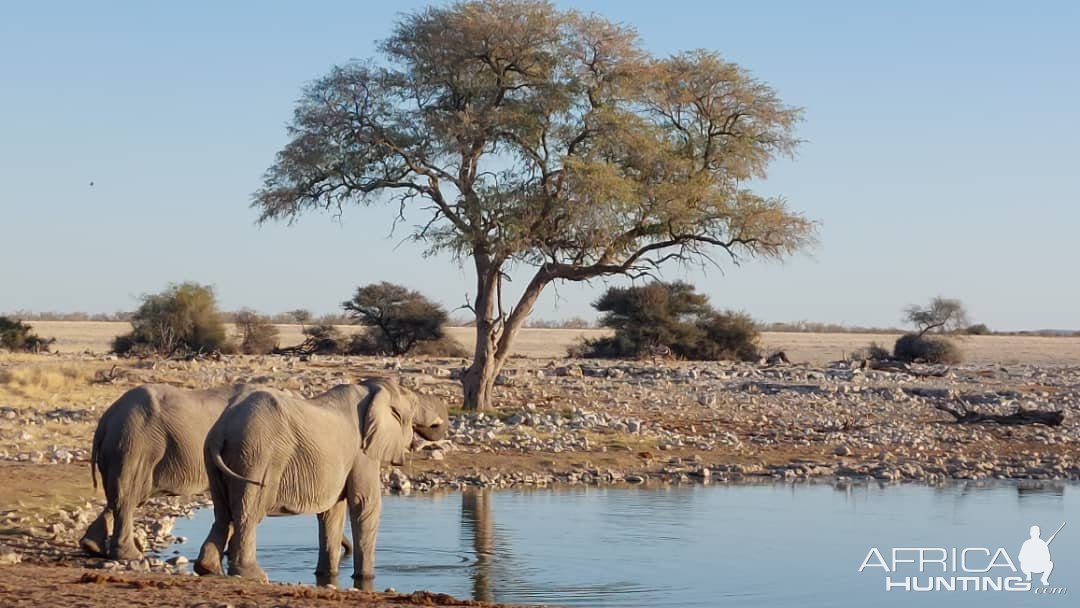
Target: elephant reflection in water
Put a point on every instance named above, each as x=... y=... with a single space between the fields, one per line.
x=476 y=517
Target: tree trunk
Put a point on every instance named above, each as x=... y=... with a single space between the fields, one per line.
x=479 y=379
x=495 y=339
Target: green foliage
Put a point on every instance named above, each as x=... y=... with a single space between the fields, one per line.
x=17 y=336
x=926 y=349
x=669 y=317
x=978 y=329
x=941 y=315
x=182 y=319
x=401 y=318
x=258 y=336
x=726 y=335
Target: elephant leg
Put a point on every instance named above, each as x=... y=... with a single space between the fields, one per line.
x=365 y=502
x=96 y=539
x=213 y=548
x=123 y=534
x=248 y=511
x=331 y=539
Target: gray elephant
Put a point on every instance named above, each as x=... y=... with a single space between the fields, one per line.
x=276 y=454
x=150 y=443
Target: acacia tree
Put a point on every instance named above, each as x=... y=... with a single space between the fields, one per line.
x=402 y=317
x=532 y=136
x=942 y=314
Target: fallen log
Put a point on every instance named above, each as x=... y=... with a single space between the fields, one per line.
x=1019 y=417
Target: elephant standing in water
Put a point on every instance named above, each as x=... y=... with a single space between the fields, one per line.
x=150 y=443
x=275 y=454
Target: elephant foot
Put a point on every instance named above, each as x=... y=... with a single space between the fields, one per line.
x=208 y=567
x=248 y=571
x=92 y=546
x=123 y=553
x=364 y=582
x=346 y=547
x=324 y=579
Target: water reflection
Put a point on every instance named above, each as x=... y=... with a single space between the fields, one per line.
x=476 y=523
x=746 y=545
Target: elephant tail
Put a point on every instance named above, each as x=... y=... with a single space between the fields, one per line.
x=224 y=468
x=95 y=449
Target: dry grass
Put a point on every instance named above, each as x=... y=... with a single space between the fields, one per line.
x=80 y=336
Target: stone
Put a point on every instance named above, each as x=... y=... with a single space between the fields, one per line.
x=842 y=450
x=571 y=371
x=177 y=560
x=8 y=556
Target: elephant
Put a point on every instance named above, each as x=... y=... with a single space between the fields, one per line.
x=149 y=442
x=276 y=454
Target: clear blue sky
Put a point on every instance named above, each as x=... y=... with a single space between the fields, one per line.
x=941 y=155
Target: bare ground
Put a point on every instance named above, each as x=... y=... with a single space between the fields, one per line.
x=741 y=422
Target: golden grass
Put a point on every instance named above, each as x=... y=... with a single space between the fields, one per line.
x=80 y=336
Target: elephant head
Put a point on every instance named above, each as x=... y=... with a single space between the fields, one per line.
x=390 y=415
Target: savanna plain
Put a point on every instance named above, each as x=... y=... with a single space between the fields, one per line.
x=558 y=421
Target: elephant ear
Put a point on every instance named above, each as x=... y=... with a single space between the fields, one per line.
x=387 y=424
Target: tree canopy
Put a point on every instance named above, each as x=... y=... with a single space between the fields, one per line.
x=528 y=135
x=402 y=317
x=941 y=314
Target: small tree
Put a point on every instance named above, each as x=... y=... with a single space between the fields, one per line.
x=401 y=317
x=258 y=336
x=183 y=318
x=17 y=336
x=942 y=315
x=301 y=316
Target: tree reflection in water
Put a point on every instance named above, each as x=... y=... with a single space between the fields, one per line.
x=476 y=519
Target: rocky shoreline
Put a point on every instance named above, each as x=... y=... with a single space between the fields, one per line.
x=566 y=423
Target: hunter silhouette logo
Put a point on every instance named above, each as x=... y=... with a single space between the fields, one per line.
x=1035 y=555
x=944 y=569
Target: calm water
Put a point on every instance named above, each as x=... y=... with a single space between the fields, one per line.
x=765 y=545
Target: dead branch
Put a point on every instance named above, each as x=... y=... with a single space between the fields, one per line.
x=1021 y=416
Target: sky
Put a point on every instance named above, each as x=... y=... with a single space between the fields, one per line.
x=940 y=156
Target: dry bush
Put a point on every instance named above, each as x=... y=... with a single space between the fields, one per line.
x=258 y=336
x=182 y=319
x=874 y=352
x=443 y=347
x=926 y=349
x=17 y=336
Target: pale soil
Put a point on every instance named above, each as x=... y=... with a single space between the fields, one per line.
x=817 y=349
x=52 y=585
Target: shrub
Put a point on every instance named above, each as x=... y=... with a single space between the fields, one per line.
x=874 y=351
x=17 y=336
x=979 y=329
x=670 y=318
x=724 y=335
x=325 y=340
x=401 y=318
x=258 y=336
x=928 y=349
x=183 y=318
